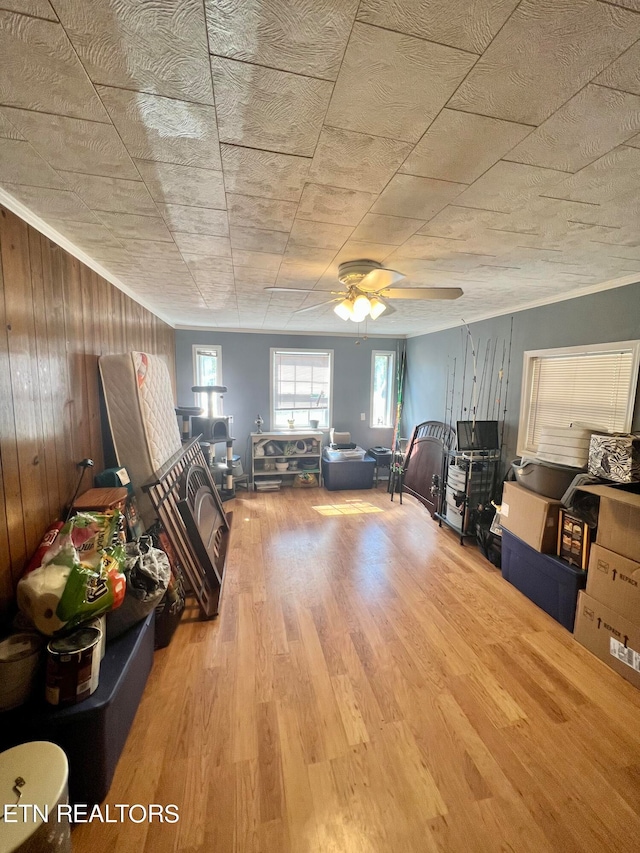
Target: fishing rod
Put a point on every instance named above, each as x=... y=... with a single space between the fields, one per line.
x=506 y=389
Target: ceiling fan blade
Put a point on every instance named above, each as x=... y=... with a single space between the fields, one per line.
x=422 y=293
x=299 y=290
x=379 y=279
x=317 y=305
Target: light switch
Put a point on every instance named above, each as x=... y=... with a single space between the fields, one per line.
x=363 y=416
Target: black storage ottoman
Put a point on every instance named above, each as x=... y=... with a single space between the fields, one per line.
x=548 y=581
x=352 y=474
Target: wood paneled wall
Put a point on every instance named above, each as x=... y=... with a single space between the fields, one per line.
x=56 y=317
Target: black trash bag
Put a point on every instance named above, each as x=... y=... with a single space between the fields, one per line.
x=148 y=573
x=171 y=607
x=490 y=544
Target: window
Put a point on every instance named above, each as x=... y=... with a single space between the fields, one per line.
x=301 y=387
x=207 y=370
x=382 y=384
x=594 y=386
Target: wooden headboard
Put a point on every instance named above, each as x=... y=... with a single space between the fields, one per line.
x=424 y=459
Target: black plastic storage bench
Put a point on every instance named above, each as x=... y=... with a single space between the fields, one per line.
x=93 y=732
x=349 y=474
x=548 y=581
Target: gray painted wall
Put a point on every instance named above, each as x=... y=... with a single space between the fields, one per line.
x=245 y=371
x=613 y=315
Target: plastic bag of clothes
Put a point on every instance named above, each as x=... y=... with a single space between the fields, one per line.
x=148 y=573
x=171 y=607
x=80 y=576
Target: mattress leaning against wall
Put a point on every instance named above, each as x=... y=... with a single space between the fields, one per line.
x=140 y=407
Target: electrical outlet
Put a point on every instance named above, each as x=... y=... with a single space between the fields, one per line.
x=363 y=416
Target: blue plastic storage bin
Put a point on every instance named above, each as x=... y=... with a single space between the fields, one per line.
x=548 y=581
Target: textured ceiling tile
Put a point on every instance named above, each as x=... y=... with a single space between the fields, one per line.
x=74 y=144
x=39 y=70
x=266 y=261
x=394 y=85
x=320 y=235
x=299 y=275
x=467 y=24
x=354 y=250
x=433 y=248
x=151 y=47
x=463 y=222
x=250 y=211
x=624 y=73
x=356 y=161
x=262 y=108
x=37 y=8
x=590 y=124
x=174 y=184
x=306 y=37
x=112 y=193
x=461 y=146
x=7 y=130
x=333 y=204
x=166 y=268
x=616 y=173
x=57 y=204
x=416 y=198
x=203 y=245
x=93 y=237
x=144 y=249
x=21 y=164
x=309 y=255
x=157 y=128
x=248 y=278
x=134 y=227
x=507 y=186
x=375 y=228
x=258 y=239
x=262 y=173
x=214 y=269
x=195 y=220
x=627 y=4
x=525 y=75
x=634 y=141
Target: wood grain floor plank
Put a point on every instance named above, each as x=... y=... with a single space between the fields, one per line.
x=372 y=687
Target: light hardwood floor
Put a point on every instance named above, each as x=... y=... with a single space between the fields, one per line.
x=371 y=685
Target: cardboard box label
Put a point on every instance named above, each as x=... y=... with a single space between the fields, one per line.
x=504 y=510
x=624 y=653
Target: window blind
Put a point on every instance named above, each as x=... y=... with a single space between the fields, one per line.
x=587 y=388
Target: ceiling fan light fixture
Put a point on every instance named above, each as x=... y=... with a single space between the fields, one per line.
x=376 y=307
x=361 y=308
x=344 y=309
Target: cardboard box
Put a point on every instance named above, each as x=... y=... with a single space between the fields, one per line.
x=531 y=517
x=609 y=636
x=615 y=581
x=618 y=520
x=615 y=457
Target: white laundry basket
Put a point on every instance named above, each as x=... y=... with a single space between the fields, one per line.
x=39 y=770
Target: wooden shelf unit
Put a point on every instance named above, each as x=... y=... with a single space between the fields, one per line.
x=283 y=438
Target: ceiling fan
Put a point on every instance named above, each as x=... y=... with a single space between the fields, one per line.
x=368 y=287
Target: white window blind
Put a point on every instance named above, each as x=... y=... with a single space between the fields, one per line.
x=301 y=387
x=594 y=388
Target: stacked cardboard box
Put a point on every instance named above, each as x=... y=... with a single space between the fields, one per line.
x=529 y=542
x=531 y=517
x=608 y=613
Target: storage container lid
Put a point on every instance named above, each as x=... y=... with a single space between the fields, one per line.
x=43 y=767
